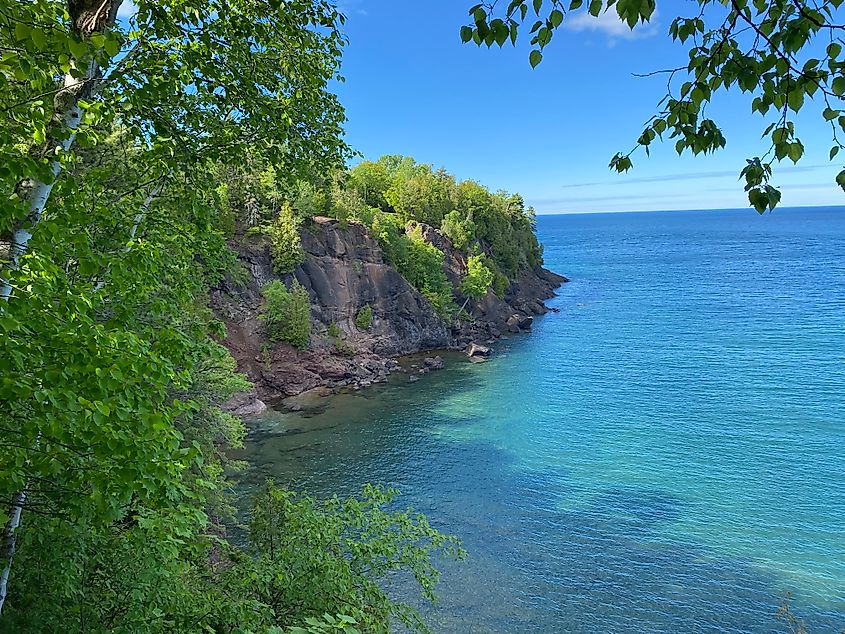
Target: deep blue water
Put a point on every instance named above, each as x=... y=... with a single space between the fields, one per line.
x=666 y=454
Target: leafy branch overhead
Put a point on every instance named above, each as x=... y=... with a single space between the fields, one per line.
x=785 y=55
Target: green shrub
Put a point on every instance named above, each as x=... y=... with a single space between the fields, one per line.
x=500 y=284
x=285 y=243
x=389 y=230
x=365 y=215
x=459 y=228
x=346 y=203
x=310 y=200
x=478 y=278
x=287 y=313
x=364 y=318
x=423 y=268
x=340 y=552
x=336 y=335
x=418 y=261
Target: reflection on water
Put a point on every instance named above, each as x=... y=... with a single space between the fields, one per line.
x=664 y=455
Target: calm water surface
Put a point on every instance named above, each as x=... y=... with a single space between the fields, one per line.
x=666 y=454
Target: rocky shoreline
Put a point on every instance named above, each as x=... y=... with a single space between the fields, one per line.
x=344 y=270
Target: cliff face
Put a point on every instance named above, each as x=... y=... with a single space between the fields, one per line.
x=344 y=270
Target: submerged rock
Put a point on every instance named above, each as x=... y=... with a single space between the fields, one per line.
x=245 y=404
x=434 y=363
x=475 y=351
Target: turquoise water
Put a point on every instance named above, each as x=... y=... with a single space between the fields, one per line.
x=663 y=455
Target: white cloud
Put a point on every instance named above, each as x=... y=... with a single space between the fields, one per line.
x=348 y=7
x=127 y=9
x=609 y=23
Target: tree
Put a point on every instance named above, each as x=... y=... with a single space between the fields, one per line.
x=287 y=313
x=421 y=196
x=310 y=557
x=784 y=54
x=99 y=317
x=285 y=241
x=477 y=280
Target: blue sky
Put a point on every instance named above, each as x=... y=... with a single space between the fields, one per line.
x=413 y=88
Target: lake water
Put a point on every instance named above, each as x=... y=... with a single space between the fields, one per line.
x=665 y=454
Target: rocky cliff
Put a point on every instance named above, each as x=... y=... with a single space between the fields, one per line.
x=344 y=270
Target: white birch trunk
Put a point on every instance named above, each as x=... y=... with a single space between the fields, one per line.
x=37 y=191
x=87 y=17
x=9 y=546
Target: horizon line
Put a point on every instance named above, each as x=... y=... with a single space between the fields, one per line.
x=652 y=211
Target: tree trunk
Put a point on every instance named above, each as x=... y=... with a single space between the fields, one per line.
x=9 y=545
x=88 y=17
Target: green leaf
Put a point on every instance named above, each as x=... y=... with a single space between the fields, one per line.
x=758 y=200
x=22 y=31
x=112 y=47
x=840 y=179
x=834 y=151
x=535 y=58
x=466 y=34
x=796 y=151
x=838 y=85
x=77 y=49
x=39 y=38
x=773 y=197
x=556 y=17
x=796 y=100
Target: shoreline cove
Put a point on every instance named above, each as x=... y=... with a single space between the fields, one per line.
x=693 y=496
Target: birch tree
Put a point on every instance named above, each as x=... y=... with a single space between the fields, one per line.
x=786 y=56
x=99 y=320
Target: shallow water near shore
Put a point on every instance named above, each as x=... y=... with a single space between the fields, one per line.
x=666 y=454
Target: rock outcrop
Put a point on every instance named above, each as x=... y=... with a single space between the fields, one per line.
x=344 y=270
x=476 y=352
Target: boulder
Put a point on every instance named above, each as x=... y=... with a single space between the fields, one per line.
x=517 y=322
x=434 y=363
x=252 y=408
x=477 y=351
x=245 y=404
x=524 y=322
